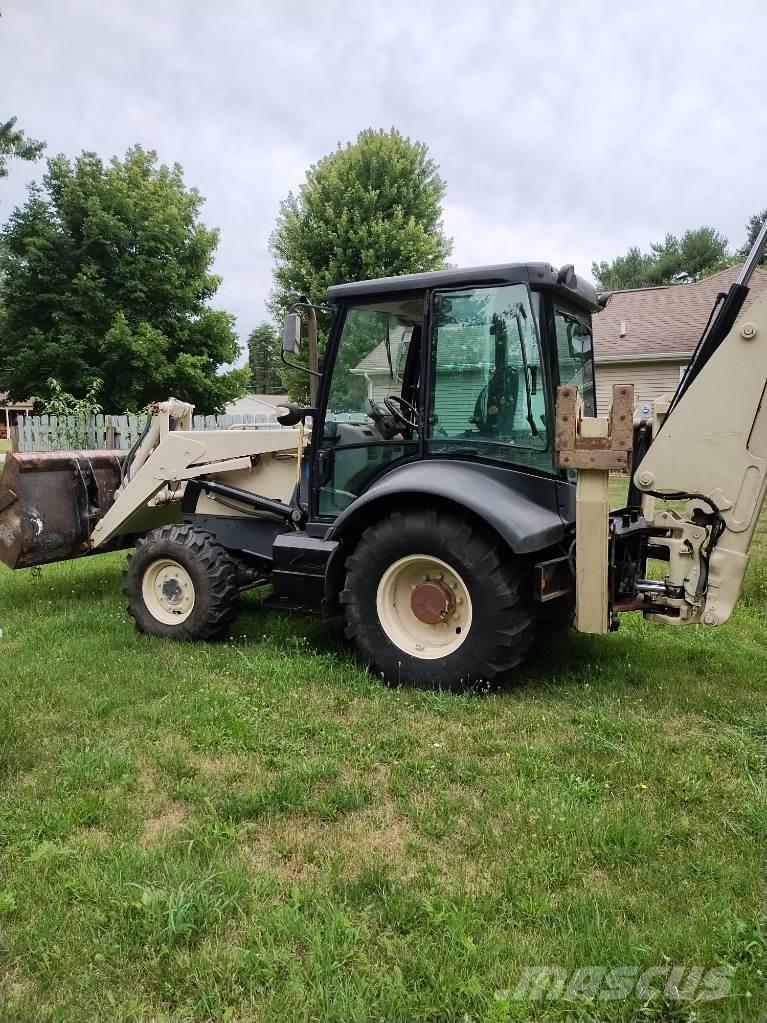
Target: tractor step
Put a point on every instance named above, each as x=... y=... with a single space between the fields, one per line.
x=299 y=570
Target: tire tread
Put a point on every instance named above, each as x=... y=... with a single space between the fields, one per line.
x=219 y=574
x=503 y=580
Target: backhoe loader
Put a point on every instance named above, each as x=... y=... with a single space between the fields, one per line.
x=446 y=487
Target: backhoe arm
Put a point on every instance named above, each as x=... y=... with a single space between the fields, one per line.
x=710 y=451
x=714 y=444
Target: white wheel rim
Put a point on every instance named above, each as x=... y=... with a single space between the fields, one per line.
x=398 y=619
x=168 y=591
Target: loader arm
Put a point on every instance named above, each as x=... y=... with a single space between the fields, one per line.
x=167 y=458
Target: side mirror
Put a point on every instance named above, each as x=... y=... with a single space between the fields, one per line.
x=291 y=337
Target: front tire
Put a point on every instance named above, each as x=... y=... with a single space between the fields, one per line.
x=432 y=601
x=181 y=584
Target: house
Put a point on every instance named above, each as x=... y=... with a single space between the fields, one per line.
x=461 y=360
x=380 y=366
x=256 y=404
x=10 y=412
x=646 y=336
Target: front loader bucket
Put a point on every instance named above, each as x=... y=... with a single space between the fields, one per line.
x=50 y=502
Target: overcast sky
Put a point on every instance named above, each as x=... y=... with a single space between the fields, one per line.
x=566 y=132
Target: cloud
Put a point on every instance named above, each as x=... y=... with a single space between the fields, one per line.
x=564 y=133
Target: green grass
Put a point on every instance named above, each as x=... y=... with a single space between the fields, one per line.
x=258 y=830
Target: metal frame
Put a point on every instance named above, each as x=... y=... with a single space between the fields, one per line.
x=712 y=451
x=548 y=384
x=318 y=427
x=593 y=447
x=167 y=459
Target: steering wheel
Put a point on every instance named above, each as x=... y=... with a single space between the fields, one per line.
x=402 y=410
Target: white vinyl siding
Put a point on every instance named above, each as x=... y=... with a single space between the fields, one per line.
x=650 y=380
x=381 y=386
x=457 y=400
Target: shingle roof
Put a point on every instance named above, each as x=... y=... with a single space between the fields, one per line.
x=663 y=321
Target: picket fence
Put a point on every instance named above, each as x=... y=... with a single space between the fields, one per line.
x=57 y=433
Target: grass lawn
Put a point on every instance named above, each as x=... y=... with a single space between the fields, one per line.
x=258 y=830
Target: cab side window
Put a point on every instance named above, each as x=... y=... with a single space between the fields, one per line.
x=576 y=355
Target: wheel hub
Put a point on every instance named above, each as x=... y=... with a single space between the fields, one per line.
x=172 y=591
x=168 y=591
x=432 y=602
x=424 y=606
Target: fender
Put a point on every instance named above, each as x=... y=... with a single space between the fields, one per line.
x=519 y=506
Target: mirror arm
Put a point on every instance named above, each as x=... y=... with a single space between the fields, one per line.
x=303 y=369
x=295 y=414
x=313 y=359
x=310 y=309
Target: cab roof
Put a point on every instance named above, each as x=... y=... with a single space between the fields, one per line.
x=542 y=275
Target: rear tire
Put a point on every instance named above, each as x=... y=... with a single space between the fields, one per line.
x=181 y=584
x=432 y=601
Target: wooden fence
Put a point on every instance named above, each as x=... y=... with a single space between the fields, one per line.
x=61 y=433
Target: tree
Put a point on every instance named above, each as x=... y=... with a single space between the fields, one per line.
x=73 y=413
x=629 y=271
x=696 y=254
x=264 y=347
x=105 y=272
x=370 y=209
x=14 y=143
x=753 y=227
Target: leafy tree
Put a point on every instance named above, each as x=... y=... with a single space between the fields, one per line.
x=74 y=413
x=264 y=347
x=15 y=144
x=370 y=209
x=105 y=272
x=753 y=227
x=696 y=254
x=629 y=271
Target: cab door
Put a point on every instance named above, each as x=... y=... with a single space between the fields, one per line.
x=489 y=384
x=371 y=403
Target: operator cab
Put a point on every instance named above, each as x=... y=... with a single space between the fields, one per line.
x=460 y=364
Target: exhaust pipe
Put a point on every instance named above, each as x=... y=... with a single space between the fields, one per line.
x=51 y=501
